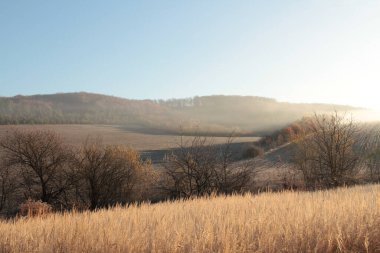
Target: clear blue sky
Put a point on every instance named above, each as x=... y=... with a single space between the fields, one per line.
x=301 y=51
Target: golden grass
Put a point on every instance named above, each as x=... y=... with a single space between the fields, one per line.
x=342 y=220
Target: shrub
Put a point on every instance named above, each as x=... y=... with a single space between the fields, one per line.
x=253 y=151
x=32 y=208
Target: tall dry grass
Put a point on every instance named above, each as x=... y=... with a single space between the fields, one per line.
x=342 y=220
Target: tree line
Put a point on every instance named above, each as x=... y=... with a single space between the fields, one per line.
x=245 y=115
x=38 y=166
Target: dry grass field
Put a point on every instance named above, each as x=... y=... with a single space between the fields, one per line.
x=341 y=220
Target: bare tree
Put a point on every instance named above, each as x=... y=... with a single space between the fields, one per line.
x=40 y=158
x=231 y=176
x=330 y=151
x=199 y=167
x=106 y=175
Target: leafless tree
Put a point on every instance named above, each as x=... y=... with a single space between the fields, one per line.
x=329 y=154
x=199 y=167
x=40 y=158
x=106 y=175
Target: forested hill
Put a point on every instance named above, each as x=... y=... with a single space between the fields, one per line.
x=209 y=114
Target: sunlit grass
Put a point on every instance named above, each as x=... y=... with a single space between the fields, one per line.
x=346 y=220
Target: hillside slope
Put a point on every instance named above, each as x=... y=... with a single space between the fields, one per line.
x=210 y=114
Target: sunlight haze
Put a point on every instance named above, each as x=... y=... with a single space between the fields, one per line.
x=296 y=51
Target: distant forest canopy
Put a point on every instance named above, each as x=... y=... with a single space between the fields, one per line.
x=219 y=115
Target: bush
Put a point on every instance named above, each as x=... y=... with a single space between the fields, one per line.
x=32 y=208
x=253 y=151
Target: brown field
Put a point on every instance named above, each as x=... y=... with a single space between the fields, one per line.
x=152 y=146
x=341 y=220
x=76 y=134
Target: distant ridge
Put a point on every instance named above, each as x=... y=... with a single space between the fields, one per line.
x=245 y=115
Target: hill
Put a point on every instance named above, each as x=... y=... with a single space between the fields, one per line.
x=340 y=220
x=246 y=115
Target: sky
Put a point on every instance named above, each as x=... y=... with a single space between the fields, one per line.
x=325 y=51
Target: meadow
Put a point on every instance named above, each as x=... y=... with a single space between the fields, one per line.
x=340 y=220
